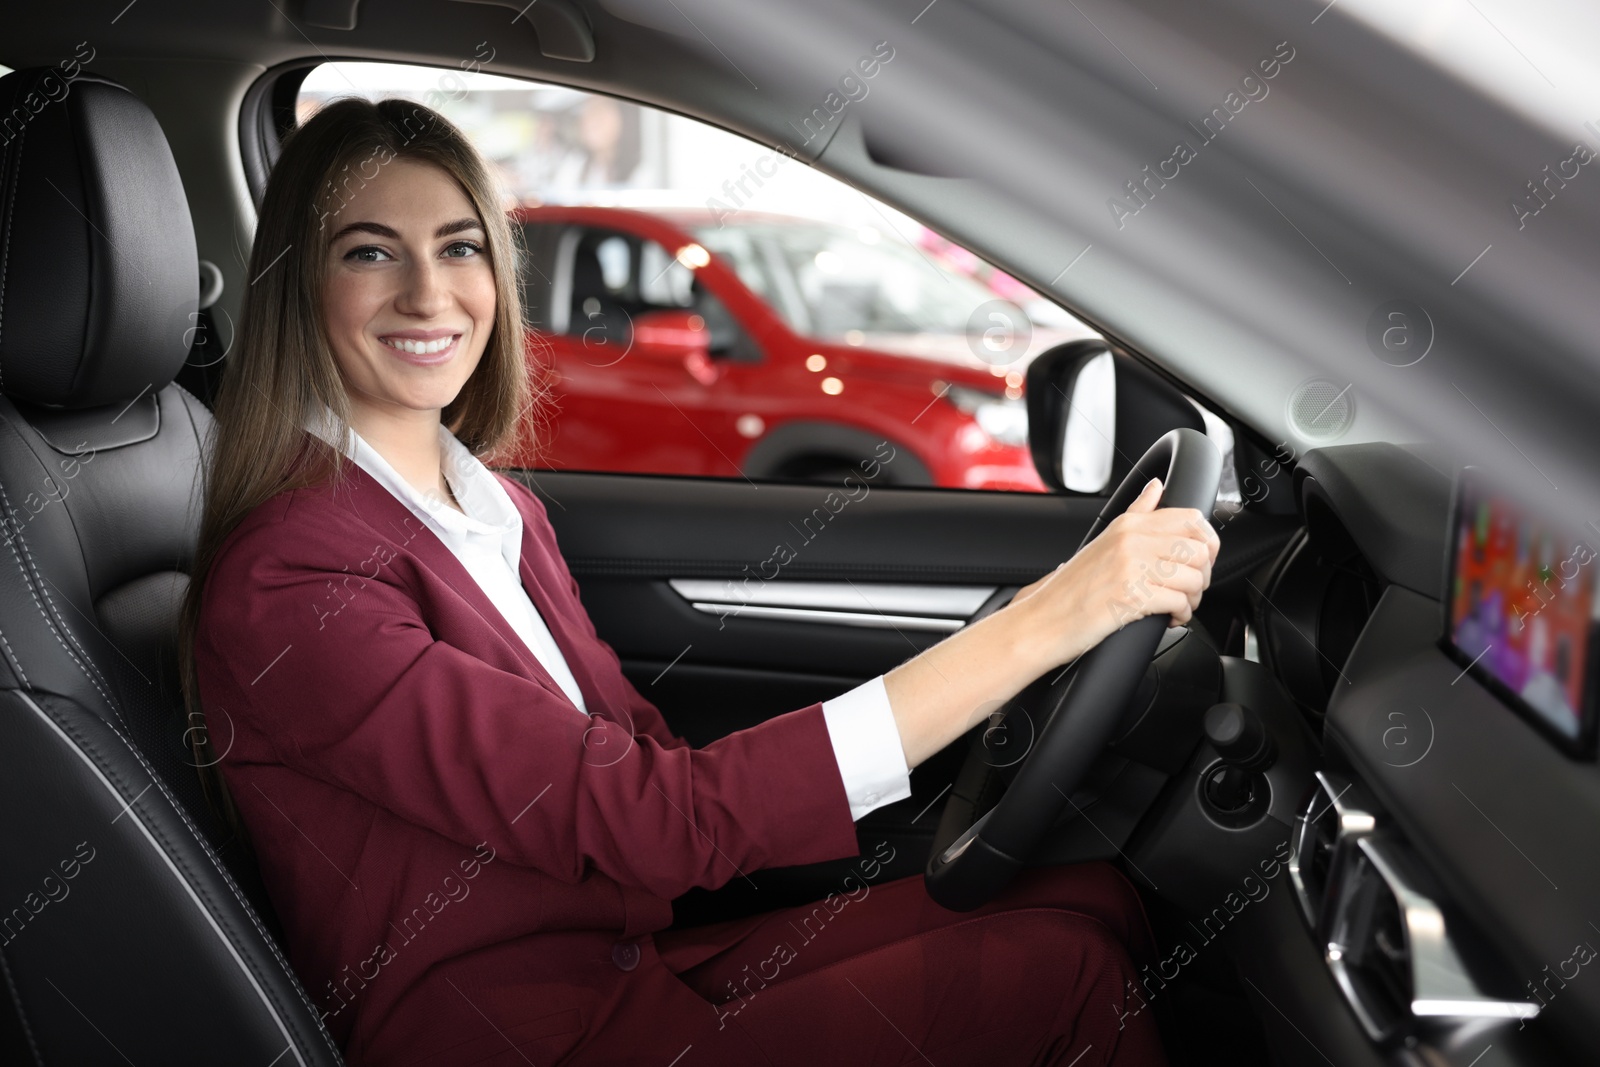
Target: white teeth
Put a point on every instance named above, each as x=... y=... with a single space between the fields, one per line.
x=419 y=348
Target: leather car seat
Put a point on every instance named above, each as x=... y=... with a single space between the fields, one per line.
x=132 y=929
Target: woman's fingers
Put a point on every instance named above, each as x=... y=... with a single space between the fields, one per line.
x=1201 y=528
x=1147 y=499
x=1170 y=522
x=1165 y=556
x=1173 y=602
x=1148 y=561
x=1155 y=575
x=1186 y=579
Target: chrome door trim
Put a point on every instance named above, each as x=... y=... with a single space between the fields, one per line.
x=878 y=605
x=837 y=618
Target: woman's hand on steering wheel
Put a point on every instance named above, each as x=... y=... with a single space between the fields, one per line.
x=1147 y=561
x=1137 y=564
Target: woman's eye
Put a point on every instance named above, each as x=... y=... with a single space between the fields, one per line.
x=463 y=249
x=360 y=255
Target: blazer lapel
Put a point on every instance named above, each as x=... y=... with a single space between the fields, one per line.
x=393 y=520
x=540 y=581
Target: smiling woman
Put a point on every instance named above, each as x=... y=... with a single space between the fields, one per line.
x=410 y=673
x=381 y=285
x=298 y=366
x=456 y=266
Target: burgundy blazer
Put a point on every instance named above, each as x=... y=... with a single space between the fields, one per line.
x=459 y=856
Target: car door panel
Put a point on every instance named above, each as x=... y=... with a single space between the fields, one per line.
x=628 y=538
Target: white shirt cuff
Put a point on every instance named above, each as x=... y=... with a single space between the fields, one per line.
x=866 y=744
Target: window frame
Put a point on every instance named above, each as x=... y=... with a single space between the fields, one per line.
x=268 y=114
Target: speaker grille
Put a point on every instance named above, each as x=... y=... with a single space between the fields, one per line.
x=1322 y=410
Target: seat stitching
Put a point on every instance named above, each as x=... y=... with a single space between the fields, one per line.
x=16 y=664
x=16 y=539
x=87 y=665
x=206 y=850
x=55 y=631
x=60 y=618
x=22 y=1015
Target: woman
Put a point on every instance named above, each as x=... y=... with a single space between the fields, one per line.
x=470 y=823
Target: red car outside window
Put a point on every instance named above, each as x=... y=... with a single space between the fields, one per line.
x=770 y=347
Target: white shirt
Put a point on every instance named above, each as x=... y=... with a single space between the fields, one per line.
x=487 y=540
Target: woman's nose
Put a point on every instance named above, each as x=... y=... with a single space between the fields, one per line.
x=424 y=292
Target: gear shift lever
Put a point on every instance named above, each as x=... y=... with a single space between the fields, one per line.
x=1242 y=741
x=1240 y=737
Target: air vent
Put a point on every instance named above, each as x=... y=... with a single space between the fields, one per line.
x=1330 y=821
x=1389 y=950
x=1318 y=829
x=1368 y=953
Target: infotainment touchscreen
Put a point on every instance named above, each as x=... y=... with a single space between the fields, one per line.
x=1522 y=609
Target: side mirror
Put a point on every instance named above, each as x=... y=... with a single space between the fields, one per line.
x=1093 y=411
x=673 y=335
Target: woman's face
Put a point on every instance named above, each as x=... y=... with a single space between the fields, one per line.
x=409 y=300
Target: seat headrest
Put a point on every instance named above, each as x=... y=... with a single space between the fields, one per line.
x=99 y=278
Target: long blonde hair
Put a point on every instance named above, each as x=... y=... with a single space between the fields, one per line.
x=283 y=366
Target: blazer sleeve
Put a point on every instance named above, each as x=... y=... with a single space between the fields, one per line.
x=374 y=704
x=644 y=715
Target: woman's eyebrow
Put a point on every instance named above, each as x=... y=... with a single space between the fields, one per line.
x=457 y=226
x=381 y=230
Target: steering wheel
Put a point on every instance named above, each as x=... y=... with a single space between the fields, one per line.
x=1083 y=708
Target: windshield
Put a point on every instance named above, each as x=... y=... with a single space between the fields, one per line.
x=834 y=281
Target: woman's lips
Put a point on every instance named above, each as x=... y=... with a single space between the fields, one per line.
x=423 y=359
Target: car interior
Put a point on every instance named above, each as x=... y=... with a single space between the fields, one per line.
x=1380 y=829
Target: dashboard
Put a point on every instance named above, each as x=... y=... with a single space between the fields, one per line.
x=1444 y=864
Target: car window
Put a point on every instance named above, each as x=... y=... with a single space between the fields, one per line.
x=710 y=306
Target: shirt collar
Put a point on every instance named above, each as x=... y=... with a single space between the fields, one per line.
x=489 y=509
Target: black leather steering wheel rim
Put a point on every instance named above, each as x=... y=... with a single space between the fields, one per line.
x=1082 y=709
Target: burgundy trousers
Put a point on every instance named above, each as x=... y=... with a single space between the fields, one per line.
x=884 y=976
